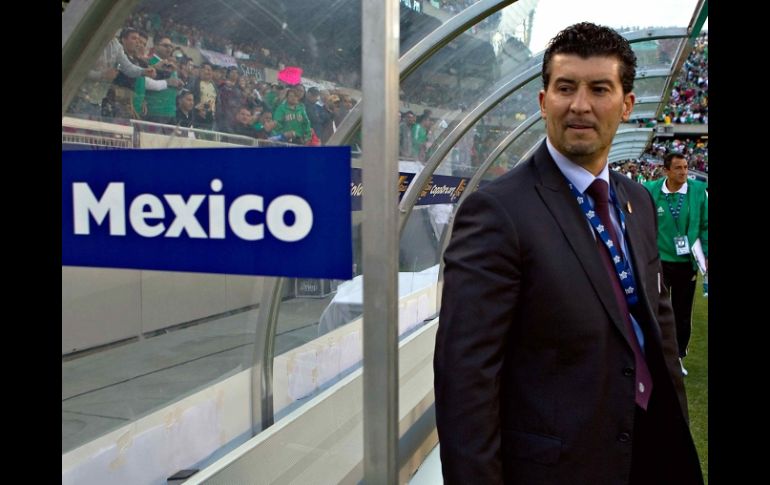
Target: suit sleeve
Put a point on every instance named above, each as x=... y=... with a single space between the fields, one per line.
x=481 y=283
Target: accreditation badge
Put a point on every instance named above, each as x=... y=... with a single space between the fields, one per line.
x=681 y=245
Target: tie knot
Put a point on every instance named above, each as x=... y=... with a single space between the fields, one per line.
x=598 y=190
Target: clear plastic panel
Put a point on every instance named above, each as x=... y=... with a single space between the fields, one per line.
x=652 y=86
x=420 y=247
x=656 y=54
x=243 y=55
x=461 y=74
x=420 y=17
x=336 y=310
x=644 y=110
x=134 y=342
x=244 y=73
x=512 y=155
x=482 y=138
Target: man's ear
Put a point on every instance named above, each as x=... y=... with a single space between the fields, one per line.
x=628 y=105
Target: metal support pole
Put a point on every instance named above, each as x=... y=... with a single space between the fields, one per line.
x=380 y=76
x=264 y=352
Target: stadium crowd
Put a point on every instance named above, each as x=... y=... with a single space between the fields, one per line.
x=163 y=84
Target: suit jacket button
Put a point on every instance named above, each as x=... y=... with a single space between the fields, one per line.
x=624 y=437
x=628 y=372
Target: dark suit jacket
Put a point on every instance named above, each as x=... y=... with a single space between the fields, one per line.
x=534 y=375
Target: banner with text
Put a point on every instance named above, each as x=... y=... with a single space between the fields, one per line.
x=251 y=211
x=440 y=189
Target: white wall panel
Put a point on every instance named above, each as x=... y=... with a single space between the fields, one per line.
x=169 y=298
x=98 y=306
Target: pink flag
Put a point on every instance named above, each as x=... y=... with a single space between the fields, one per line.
x=291 y=75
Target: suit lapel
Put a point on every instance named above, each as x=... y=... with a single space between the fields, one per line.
x=560 y=202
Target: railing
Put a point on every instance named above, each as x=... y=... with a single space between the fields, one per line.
x=145 y=134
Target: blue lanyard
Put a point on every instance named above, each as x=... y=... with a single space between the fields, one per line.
x=622 y=268
x=675 y=212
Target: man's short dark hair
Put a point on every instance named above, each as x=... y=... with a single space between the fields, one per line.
x=670 y=157
x=127 y=31
x=313 y=91
x=586 y=40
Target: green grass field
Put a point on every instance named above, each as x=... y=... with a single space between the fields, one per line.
x=696 y=382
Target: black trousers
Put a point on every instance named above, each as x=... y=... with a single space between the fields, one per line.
x=680 y=280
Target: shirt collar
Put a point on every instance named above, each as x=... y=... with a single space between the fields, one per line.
x=682 y=189
x=580 y=177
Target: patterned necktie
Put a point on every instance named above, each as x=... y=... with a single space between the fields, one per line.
x=598 y=190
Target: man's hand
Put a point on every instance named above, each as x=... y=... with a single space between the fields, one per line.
x=109 y=74
x=174 y=82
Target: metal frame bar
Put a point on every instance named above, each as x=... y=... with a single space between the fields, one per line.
x=262 y=415
x=380 y=76
x=655 y=34
x=649 y=73
x=648 y=99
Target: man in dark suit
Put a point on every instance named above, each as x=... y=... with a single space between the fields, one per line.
x=556 y=358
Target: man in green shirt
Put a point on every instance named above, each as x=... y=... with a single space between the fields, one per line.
x=161 y=103
x=682 y=207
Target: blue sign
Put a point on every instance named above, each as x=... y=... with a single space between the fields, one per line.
x=251 y=211
x=440 y=189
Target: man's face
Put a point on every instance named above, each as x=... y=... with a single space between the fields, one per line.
x=267 y=121
x=678 y=171
x=583 y=105
x=410 y=118
x=164 y=47
x=187 y=102
x=130 y=43
x=243 y=116
x=141 y=45
x=206 y=73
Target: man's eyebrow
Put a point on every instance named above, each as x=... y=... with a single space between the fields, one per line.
x=563 y=79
